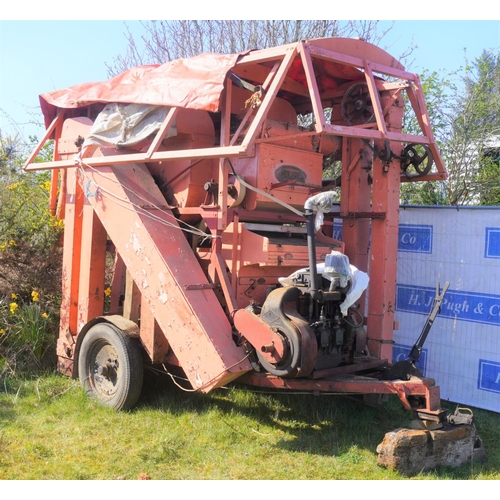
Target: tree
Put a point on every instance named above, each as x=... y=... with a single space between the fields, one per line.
x=464 y=109
x=168 y=40
x=29 y=235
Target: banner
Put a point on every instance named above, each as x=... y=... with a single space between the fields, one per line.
x=460 y=245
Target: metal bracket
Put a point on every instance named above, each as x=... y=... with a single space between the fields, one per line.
x=201 y=286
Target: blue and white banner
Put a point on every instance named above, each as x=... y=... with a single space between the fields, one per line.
x=462 y=351
x=489 y=376
x=463 y=306
x=492 y=243
x=415 y=238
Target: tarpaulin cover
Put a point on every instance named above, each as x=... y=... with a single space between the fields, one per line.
x=195 y=83
x=123 y=125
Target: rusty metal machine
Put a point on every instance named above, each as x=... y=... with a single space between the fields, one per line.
x=201 y=193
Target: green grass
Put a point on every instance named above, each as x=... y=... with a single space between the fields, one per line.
x=50 y=430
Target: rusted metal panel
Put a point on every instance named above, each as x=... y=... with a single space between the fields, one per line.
x=132 y=299
x=92 y=267
x=152 y=337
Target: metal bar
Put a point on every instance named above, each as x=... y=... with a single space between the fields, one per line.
x=220 y=268
x=250 y=110
x=364 y=133
x=377 y=106
x=229 y=151
x=270 y=96
x=264 y=55
x=360 y=63
x=259 y=73
x=358 y=215
x=313 y=87
x=234 y=251
x=162 y=132
x=223 y=168
x=55 y=122
x=352 y=384
x=429 y=177
x=419 y=107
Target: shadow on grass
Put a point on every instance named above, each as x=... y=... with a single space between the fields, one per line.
x=320 y=425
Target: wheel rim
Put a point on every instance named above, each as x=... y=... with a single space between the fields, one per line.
x=103 y=368
x=356 y=105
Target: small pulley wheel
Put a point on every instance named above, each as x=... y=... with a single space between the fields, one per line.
x=357 y=106
x=236 y=192
x=417 y=160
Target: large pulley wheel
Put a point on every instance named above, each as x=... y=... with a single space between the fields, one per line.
x=289 y=364
x=273 y=313
x=357 y=106
x=110 y=367
x=417 y=160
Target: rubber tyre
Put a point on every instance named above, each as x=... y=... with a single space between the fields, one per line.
x=110 y=367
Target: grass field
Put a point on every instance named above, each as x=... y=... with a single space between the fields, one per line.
x=50 y=430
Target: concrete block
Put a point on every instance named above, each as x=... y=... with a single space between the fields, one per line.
x=412 y=451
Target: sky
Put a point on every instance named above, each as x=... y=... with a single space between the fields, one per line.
x=38 y=56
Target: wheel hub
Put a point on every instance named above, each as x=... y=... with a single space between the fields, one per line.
x=107 y=369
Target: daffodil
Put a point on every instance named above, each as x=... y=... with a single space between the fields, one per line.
x=34 y=296
x=107 y=291
x=2 y=331
x=45 y=315
x=13 y=295
x=13 y=306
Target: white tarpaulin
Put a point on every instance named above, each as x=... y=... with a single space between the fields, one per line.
x=124 y=125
